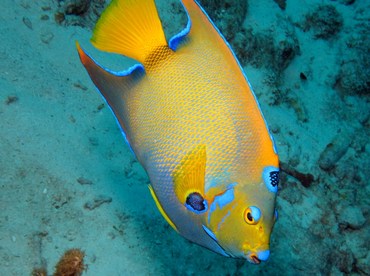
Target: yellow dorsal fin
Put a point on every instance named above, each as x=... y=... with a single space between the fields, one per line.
x=189 y=175
x=160 y=208
x=129 y=27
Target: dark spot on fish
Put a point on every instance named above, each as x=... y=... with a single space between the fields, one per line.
x=196 y=202
x=274 y=178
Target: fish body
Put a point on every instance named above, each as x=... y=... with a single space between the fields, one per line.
x=190 y=117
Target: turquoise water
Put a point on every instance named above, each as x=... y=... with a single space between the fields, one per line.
x=68 y=179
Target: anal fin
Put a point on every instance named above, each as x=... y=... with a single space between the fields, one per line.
x=160 y=208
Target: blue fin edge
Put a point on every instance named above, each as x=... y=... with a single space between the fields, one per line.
x=267 y=179
x=124 y=73
x=237 y=60
x=176 y=40
x=213 y=237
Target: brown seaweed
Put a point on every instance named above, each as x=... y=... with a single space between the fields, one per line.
x=306 y=179
x=71 y=263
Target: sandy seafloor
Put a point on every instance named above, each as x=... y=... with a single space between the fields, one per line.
x=61 y=149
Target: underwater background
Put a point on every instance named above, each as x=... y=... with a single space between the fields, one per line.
x=68 y=179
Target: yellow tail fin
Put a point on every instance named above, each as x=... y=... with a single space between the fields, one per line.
x=129 y=27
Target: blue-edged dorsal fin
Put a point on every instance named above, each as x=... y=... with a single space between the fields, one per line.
x=113 y=86
x=201 y=29
x=177 y=39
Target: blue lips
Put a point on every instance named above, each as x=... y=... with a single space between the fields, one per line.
x=263 y=255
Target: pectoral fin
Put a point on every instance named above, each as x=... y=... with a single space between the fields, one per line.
x=189 y=178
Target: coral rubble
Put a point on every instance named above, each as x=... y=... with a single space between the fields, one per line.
x=71 y=263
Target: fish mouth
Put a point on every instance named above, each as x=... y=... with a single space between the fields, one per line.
x=254 y=259
x=258 y=257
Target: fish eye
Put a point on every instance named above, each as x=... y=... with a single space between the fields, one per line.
x=271 y=178
x=252 y=215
